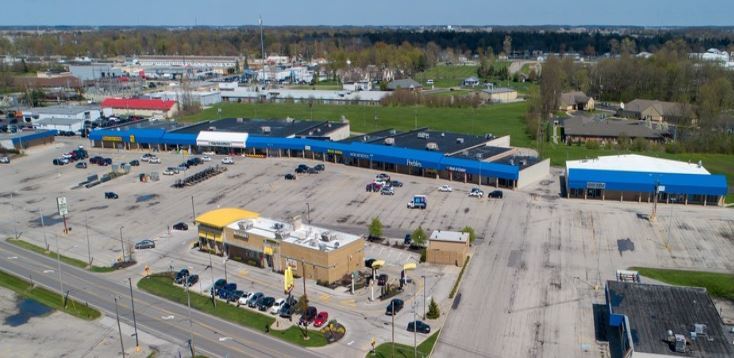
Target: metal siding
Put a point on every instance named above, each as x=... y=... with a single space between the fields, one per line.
x=695 y=184
x=178 y=138
x=34 y=136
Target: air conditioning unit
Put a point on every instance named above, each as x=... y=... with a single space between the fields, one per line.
x=423 y=135
x=322 y=247
x=325 y=236
x=336 y=245
x=460 y=140
x=265 y=129
x=390 y=141
x=212 y=128
x=432 y=146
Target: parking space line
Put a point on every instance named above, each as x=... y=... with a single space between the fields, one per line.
x=349 y=303
x=325 y=297
x=242 y=272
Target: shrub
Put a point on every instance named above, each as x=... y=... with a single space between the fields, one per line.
x=592 y=144
x=375 y=227
x=433 y=310
x=419 y=236
x=472 y=234
x=423 y=255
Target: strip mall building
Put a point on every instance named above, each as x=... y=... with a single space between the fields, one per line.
x=324 y=255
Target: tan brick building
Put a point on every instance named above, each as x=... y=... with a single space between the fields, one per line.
x=447 y=248
x=242 y=235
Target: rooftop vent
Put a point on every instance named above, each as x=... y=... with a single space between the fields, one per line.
x=240 y=120
x=265 y=129
x=432 y=146
x=322 y=247
x=423 y=135
x=325 y=236
x=680 y=343
x=278 y=226
x=390 y=141
x=336 y=245
x=212 y=128
x=460 y=140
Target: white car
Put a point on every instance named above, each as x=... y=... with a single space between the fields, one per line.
x=243 y=300
x=154 y=160
x=277 y=305
x=476 y=192
x=208 y=153
x=66 y=156
x=168 y=172
x=206 y=158
x=445 y=188
x=227 y=160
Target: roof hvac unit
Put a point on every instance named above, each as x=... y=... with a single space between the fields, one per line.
x=322 y=246
x=244 y=225
x=325 y=236
x=390 y=141
x=278 y=226
x=680 y=343
x=265 y=129
x=336 y=245
x=460 y=140
x=212 y=128
x=423 y=135
x=432 y=146
x=312 y=243
x=240 y=120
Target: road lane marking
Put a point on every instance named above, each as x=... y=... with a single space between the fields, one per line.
x=13 y=258
x=48 y=271
x=166 y=318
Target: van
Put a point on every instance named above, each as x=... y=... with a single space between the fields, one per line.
x=418 y=202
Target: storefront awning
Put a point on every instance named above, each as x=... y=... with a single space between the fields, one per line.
x=221 y=139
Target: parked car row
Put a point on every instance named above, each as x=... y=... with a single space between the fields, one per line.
x=185 y=278
x=74 y=155
x=395 y=306
x=383 y=184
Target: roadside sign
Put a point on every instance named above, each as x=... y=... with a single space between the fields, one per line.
x=63 y=207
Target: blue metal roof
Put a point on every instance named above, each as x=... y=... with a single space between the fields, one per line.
x=23 y=138
x=179 y=138
x=401 y=156
x=692 y=184
x=140 y=135
x=484 y=169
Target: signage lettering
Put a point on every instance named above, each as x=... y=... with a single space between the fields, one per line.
x=457 y=169
x=111 y=139
x=594 y=185
x=360 y=155
x=414 y=163
x=332 y=151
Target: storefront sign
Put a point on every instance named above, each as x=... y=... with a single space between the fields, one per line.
x=414 y=163
x=360 y=155
x=307 y=147
x=111 y=139
x=456 y=169
x=332 y=151
x=594 y=185
x=132 y=138
x=62 y=205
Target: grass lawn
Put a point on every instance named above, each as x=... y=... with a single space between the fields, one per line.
x=51 y=299
x=446 y=76
x=401 y=350
x=719 y=285
x=162 y=285
x=52 y=254
x=498 y=119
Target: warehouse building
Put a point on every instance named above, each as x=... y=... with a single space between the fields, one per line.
x=323 y=255
x=61 y=124
x=26 y=138
x=139 y=107
x=637 y=178
x=643 y=320
x=81 y=112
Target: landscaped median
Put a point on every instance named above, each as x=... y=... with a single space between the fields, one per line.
x=25 y=289
x=162 y=285
x=385 y=350
x=718 y=285
x=65 y=259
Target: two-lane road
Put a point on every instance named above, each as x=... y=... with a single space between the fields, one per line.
x=154 y=315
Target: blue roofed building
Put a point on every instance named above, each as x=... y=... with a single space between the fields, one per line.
x=637 y=178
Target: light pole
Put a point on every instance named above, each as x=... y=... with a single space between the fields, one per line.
x=58 y=269
x=135 y=322
x=191 y=324
x=415 y=326
x=119 y=329
x=308 y=213
x=193 y=209
x=89 y=249
x=43 y=228
x=122 y=245
x=424 y=296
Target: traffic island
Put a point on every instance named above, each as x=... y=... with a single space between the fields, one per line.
x=390 y=350
x=162 y=285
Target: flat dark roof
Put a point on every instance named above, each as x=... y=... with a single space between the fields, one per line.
x=652 y=310
x=372 y=136
x=447 y=142
x=521 y=161
x=321 y=129
x=278 y=128
x=481 y=153
x=148 y=124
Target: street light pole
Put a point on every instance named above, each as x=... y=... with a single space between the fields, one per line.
x=193 y=210
x=424 y=296
x=308 y=213
x=191 y=324
x=392 y=317
x=119 y=329
x=415 y=326
x=122 y=245
x=89 y=249
x=135 y=322
x=43 y=227
x=58 y=269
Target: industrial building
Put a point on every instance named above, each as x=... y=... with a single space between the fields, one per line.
x=499 y=95
x=80 y=112
x=447 y=247
x=643 y=320
x=26 y=138
x=230 y=92
x=95 y=71
x=485 y=160
x=204 y=98
x=61 y=124
x=139 y=107
x=323 y=255
x=637 y=178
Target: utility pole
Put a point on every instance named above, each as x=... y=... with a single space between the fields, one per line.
x=193 y=210
x=308 y=213
x=58 y=269
x=415 y=326
x=43 y=228
x=191 y=324
x=135 y=322
x=119 y=329
x=424 y=296
x=89 y=249
x=392 y=317
x=122 y=245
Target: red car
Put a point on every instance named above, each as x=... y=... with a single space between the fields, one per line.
x=321 y=319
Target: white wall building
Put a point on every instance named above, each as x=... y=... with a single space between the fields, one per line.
x=61 y=124
x=81 y=112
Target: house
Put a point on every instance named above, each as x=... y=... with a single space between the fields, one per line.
x=583 y=129
x=357 y=86
x=498 y=95
x=575 y=101
x=653 y=110
x=140 y=107
x=447 y=247
x=407 y=83
x=470 y=82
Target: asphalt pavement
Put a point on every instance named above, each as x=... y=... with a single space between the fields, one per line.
x=211 y=336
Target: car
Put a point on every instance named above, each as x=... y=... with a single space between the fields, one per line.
x=95 y=160
x=181 y=227
x=396 y=183
x=242 y=301
x=382 y=176
x=206 y=158
x=181 y=168
x=387 y=190
x=181 y=275
x=418 y=202
x=373 y=187
x=209 y=153
x=234 y=296
x=146 y=157
x=321 y=319
x=81 y=165
x=476 y=192
x=290 y=177
x=419 y=326
x=308 y=316
x=252 y=301
x=394 y=306
x=302 y=166
x=445 y=188
x=172 y=170
x=407 y=240
x=495 y=194
x=134 y=163
x=66 y=156
x=301 y=170
x=226 y=290
x=110 y=195
x=286 y=311
x=168 y=172
x=265 y=303
x=277 y=304
x=191 y=280
x=145 y=244
x=218 y=285
x=380 y=182
x=154 y=160
x=382 y=279
x=4 y=160
x=312 y=171
x=227 y=160
x=320 y=167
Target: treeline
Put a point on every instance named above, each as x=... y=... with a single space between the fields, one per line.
x=403 y=97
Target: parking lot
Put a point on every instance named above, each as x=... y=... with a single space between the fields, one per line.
x=538 y=264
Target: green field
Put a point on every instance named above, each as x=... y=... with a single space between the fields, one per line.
x=65 y=259
x=719 y=285
x=500 y=119
x=444 y=76
x=385 y=350
x=51 y=299
x=162 y=285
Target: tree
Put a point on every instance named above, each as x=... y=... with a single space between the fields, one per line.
x=551 y=86
x=375 y=227
x=419 y=236
x=433 y=311
x=472 y=234
x=301 y=305
x=507 y=45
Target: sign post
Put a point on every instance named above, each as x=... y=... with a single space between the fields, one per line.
x=63 y=210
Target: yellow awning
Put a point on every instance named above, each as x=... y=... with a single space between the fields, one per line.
x=378 y=264
x=220 y=218
x=210 y=236
x=409 y=266
x=267 y=250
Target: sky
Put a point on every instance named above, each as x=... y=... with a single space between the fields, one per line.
x=370 y=12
